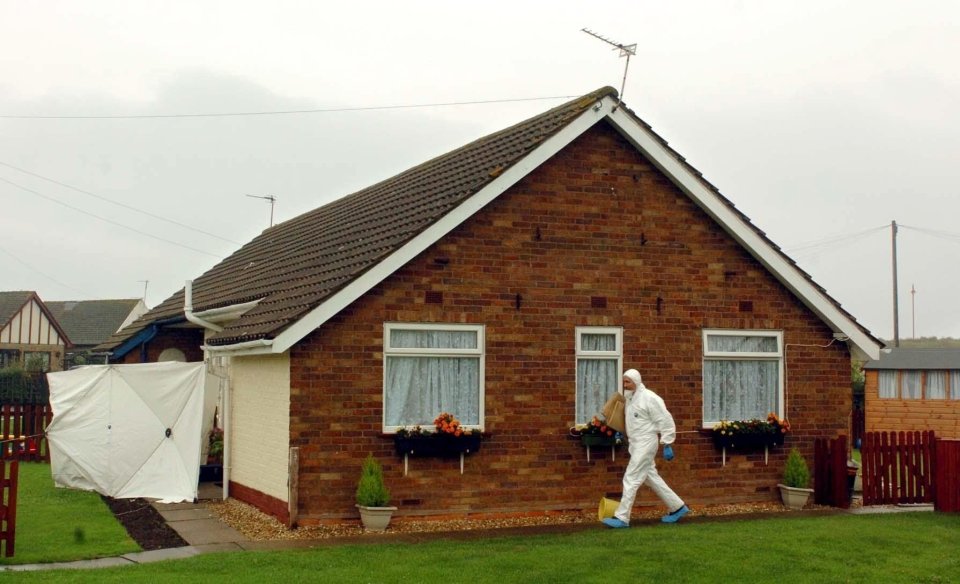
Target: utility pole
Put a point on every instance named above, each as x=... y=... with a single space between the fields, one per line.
x=896 y=301
x=913 y=312
x=145 y=284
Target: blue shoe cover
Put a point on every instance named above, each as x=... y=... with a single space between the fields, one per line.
x=676 y=515
x=615 y=523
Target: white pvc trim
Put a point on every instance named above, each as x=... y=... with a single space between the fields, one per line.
x=707 y=200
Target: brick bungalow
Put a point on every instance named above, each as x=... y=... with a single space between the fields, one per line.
x=510 y=281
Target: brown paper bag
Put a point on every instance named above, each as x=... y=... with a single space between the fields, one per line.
x=614 y=412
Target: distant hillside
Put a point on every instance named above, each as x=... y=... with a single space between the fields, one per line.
x=927 y=343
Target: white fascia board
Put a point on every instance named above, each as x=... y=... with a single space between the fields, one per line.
x=333 y=305
x=707 y=200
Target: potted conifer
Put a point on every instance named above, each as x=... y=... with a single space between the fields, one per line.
x=796 y=478
x=373 y=497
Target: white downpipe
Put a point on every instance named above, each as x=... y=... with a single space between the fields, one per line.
x=188 y=309
x=188 y=312
x=227 y=432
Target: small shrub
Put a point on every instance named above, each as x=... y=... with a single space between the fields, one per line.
x=795 y=473
x=371 y=492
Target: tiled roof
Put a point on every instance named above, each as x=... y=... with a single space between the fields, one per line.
x=897 y=358
x=11 y=303
x=91 y=322
x=295 y=266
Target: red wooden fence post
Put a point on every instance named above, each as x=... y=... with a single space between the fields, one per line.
x=8 y=505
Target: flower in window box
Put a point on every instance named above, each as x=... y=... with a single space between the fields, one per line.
x=754 y=433
x=596 y=433
x=448 y=437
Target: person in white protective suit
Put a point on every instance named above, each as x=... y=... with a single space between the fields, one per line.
x=648 y=425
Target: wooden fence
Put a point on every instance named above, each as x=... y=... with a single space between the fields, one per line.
x=897 y=467
x=947 y=484
x=9 y=472
x=830 y=472
x=858 y=425
x=22 y=428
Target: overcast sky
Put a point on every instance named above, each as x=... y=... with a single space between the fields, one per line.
x=823 y=121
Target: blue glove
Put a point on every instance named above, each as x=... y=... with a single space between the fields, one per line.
x=667 y=453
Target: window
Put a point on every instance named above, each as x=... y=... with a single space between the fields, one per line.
x=599 y=363
x=36 y=361
x=910 y=384
x=9 y=358
x=888 y=384
x=955 y=385
x=742 y=375
x=429 y=369
x=935 y=386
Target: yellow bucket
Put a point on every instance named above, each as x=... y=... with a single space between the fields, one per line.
x=607 y=508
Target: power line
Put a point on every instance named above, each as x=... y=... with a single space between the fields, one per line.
x=833 y=239
x=282 y=112
x=51 y=278
x=933 y=232
x=105 y=220
x=117 y=203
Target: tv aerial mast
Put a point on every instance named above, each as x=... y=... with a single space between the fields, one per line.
x=273 y=201
x=625 y=51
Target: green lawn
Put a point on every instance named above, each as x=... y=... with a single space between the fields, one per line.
x=909 y=547
x=55 y=525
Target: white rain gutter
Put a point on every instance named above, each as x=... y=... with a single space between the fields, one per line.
x=243 y=346
x=188 y=309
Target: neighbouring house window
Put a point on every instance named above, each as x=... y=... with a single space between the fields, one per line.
x=429 y=369
x=888 y=384
x=935 y=385
x=36 y=361
x=955 y=384
x=9 y=358
x=599 y=366
x=742 y=375
x=911 y=384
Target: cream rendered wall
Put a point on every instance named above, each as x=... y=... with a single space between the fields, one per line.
x=260 y=423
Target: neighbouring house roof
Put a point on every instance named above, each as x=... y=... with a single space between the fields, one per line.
x=11 y=303
x=307 y=269
x=91 y=322
x=940 y=359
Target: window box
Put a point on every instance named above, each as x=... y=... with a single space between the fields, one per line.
x=437 y=444
x=748 y=441
x=601 y=440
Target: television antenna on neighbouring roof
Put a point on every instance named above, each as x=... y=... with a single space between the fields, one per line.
x=625 y=51
x=270 y=198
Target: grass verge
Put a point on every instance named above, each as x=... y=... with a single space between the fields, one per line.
x=831 y=548
x=59 y=525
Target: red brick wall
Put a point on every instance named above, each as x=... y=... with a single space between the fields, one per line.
x=609 y=225
x=187 y=340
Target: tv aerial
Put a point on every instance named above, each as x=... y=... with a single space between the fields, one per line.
x=273 y=201
x=625 y=51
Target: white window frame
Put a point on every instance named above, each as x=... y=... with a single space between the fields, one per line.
x=479 y=352
x=582 y=353
x=742 y=356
